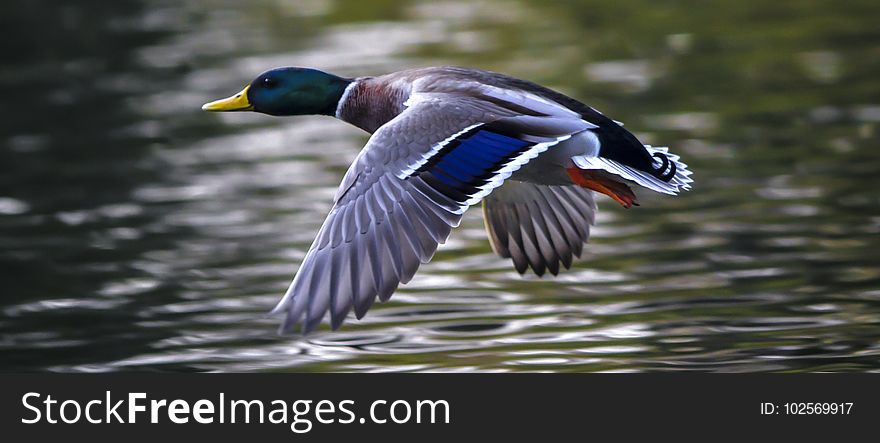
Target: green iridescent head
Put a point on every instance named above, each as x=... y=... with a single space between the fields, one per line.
x=286 y=91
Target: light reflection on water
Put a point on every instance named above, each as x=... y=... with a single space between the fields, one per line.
x=141 y=234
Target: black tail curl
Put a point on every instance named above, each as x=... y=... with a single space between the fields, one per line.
x=659 y=171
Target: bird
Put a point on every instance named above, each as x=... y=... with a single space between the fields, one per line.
x=444 y=139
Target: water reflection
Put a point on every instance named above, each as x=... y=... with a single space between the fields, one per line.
x=138 y=233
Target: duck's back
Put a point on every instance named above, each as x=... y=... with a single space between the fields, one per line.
x=616 y=143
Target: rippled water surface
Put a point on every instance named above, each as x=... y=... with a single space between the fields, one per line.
x=139 y=233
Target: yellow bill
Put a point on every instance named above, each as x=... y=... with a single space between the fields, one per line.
x=238 y=102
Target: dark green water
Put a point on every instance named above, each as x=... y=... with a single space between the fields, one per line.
x=139 y=233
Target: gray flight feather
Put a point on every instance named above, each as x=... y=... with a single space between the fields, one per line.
x=539 y=226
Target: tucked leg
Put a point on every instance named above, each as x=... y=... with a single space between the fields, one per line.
x=603 y=182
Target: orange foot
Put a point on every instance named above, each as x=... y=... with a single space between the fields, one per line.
x=602 y=182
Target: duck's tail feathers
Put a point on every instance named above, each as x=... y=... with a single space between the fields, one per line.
x=675 y=176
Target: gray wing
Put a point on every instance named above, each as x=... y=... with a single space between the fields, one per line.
x=402 y=196
x=539 y=226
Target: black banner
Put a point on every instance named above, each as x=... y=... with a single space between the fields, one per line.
x=397 y=407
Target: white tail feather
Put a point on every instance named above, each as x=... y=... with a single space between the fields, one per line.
x=680 y=181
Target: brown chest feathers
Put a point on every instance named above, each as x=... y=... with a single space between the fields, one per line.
x=370 y=104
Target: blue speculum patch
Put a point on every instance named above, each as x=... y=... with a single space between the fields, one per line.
x=470 y=160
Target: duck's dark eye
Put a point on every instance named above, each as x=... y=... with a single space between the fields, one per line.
x=269 y=83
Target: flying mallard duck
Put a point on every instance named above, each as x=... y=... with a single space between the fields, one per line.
x=444 y=139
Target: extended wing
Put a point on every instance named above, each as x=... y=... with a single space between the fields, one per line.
x=403 y=194
x=538 y=226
